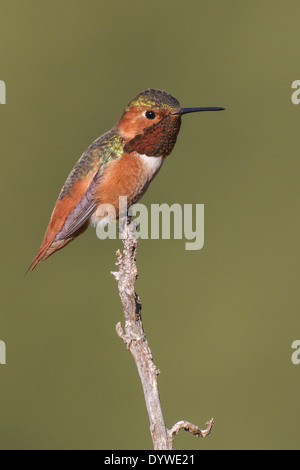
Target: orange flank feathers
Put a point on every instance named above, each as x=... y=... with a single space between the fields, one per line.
x=124 y=177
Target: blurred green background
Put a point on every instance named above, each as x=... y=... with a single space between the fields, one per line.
x=220 y=321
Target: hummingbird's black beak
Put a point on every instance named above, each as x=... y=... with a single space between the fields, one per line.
x=196 y=110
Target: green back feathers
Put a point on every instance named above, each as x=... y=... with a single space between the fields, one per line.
x=108 y=147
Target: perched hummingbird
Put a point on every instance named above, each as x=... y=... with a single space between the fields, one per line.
x=122 y=162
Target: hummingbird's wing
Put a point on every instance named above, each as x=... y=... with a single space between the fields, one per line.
x=76 y=203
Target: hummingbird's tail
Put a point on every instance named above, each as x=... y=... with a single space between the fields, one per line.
x=39 y=257
x=48 y=248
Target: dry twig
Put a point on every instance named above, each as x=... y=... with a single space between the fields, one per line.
x=136 y=341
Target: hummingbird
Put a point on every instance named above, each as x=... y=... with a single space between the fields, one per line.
x=122 y=162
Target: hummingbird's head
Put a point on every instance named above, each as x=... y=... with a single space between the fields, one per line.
x=151 y=122
x=148 y=125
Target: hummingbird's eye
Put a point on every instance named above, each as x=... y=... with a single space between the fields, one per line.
x=150 y=114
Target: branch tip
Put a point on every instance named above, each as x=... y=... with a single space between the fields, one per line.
x=192 y=428
x=115 y=274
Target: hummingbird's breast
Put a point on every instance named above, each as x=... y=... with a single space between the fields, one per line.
x=128 y=177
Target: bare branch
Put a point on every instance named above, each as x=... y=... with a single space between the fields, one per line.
x=136 y=342
x=187 y=426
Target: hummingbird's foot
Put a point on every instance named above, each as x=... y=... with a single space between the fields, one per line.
x=132 y=223
x=127 y=227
